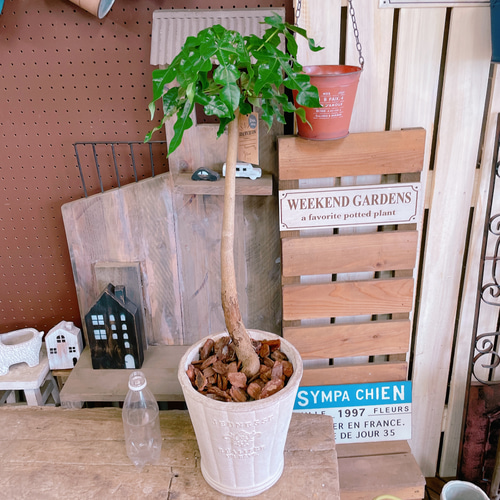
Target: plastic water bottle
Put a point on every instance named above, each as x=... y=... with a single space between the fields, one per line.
x=141 y=422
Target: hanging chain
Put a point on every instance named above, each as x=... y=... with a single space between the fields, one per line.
x=297 y=12
x=356 y=33
x=354 y=25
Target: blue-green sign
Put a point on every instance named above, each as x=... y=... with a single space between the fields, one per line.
x=361 y=412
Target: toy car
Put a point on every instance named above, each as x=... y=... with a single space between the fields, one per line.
x=245 y=170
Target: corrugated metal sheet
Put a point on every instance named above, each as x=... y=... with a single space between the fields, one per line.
x=172 y=27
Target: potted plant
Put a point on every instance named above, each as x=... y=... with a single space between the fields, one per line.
x=230 y=74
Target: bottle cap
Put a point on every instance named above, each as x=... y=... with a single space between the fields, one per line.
x=137 y=381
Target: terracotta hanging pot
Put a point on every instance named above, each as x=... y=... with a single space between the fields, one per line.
x=337 y=86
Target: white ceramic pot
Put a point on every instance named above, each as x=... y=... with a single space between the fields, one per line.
x=462 y=490
x=242 y=444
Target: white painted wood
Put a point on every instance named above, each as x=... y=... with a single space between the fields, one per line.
x=396 y=4
x=416 y=77
x=465 y=86
x=453 y=424
x=375 y=33
x=322 y=21
x=417 y=66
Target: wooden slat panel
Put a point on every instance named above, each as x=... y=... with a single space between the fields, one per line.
x=381 y=251
x=356 y=374
x=355 y=339
x=363 y=154
x=347 y=299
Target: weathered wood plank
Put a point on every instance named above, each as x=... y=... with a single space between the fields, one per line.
x=355 y=339
x=382 y=296
x=160 y=367
x=467 y=68
x=375 y=31
x=367 y=477
x=489 y=314
x=311 y=17
x=89 y=446
x=362 y=154
x=130 y=224
x=416 y=79
x=346 y=450
x=382 y=251
x=356 y=374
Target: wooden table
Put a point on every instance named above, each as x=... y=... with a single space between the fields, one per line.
x=56 y=453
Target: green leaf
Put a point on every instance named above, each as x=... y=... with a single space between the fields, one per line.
x=276 y=21
x=268 y=75
x=226 y=74
x=308 y=96
x=291 y=44
x=230 y=95
x=245 y=108
x=302 y=32
x=170 y=101
x=216 y=107
x=158 y=127
x=224 y=122
x=182 y=123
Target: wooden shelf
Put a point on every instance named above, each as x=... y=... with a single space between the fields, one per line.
x=160 y=367
x=183 y=184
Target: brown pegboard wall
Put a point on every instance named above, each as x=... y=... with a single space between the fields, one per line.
x=66 y=77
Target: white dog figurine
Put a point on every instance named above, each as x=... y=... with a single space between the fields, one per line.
x=20 y=346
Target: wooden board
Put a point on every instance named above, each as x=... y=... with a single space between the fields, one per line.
x=382 y=296
x=355 y=339
x=369 y=469
x=488 y=319
x=86 y=384
x=356 y=374
x=467 y=66
x=362 y=154
x=263 y=186
x=88 y=445
x=130 y=224
x=177 y=254
x=380 y=251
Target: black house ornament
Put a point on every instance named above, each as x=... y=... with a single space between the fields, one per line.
x=114 y=331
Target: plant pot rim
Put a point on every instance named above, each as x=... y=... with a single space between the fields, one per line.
x=247 y=406
x=329 y=70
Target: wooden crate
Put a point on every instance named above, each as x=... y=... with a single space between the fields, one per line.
x=348 y=296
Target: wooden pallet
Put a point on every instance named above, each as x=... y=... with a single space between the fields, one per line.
x=348 y=294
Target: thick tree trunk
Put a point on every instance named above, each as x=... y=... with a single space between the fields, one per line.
x=232 y=315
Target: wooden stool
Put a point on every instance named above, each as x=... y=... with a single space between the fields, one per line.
x=30 y=380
